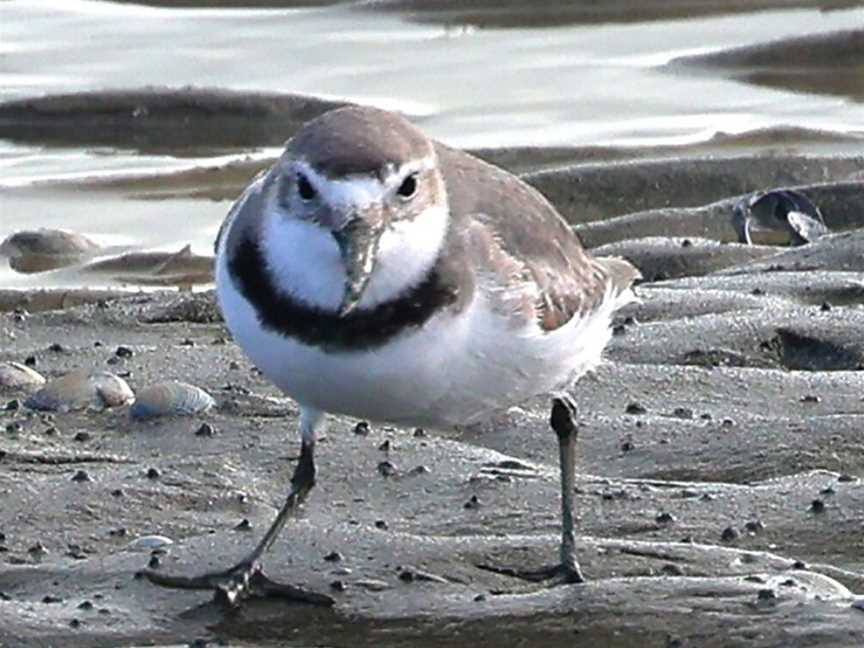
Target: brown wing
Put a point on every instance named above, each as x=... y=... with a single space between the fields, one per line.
x=515 y=234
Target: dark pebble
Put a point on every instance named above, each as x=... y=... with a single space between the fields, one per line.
x=683 y=413
x=381 y=524
x=757 y=292
x=13 y=405
x=74 y=623
x=14 y=428
x=755 y=526
x=627 y=446
x=154 y=562
x=671 y=569
x=728 y=422
x=472 y=503
x=243 y=525
x=406 y=576
x=205 y=430
x=810 y=398
x=386 y=469
x=4 y=596
x=664 y=518
x=334 y=556
x=197 y=643
x=85 y=605
x=729 y=534
x=117 y=492
x=30 y=361
x=153 y=473
x=817 y=506
x=233 y=365
x=419 y=432
x=37 y=549
x=56 y=347
x=2 y=537
x=82 y=437
x=767 y=595
x=619 y=330
x=799 y=564
x=98 y=343
x=50 y=431
x=337 y=586
x=50 y=598
x=686 y=243
x=825 y=307
x=845 y=477
x=422 y=470
x=362 y=428
x=385 y=447
x=479 y=598
x=188 y=342
x=82 y=476
x=635 y=408
x=121 y=532
x=828 y=490
x=124 y=352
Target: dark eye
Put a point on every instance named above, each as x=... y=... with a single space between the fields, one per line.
x=408 y=187
x=305 y=188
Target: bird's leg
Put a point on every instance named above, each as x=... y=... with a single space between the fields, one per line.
x=562 y=421
x=246 y=578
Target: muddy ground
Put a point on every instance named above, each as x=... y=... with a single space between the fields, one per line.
x=720 y=495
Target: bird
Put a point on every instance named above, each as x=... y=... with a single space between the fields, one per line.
x=780 y=209
x=377 y=273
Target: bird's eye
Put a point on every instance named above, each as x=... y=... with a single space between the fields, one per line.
x=408 y=187
x=305 y=188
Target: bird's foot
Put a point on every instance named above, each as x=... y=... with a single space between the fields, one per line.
x=557 y=574
x=231 y=586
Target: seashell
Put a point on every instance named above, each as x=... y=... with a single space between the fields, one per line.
x=171 y=399
x=32 y=251
x=82 y=389
x=15 y=376
x=149 y=543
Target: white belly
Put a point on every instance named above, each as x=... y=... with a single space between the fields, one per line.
x=456 y=369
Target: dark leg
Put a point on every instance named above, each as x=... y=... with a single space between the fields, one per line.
x=567 y=571
x=246 y=578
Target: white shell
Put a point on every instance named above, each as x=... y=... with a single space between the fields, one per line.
x=171 y=399
x=16 y=376
x=82 y=389
x=149 y=543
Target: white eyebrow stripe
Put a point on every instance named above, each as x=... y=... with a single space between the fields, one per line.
x=361 y=190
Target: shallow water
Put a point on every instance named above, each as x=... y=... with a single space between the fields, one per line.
x=578 y=84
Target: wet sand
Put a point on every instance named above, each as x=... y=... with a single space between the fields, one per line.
x=720 y=487
x=719 y=497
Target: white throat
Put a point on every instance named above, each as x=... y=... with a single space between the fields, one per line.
x=305 y=263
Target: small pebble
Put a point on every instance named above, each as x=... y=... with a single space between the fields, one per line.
x=153 y=473
x=50 y=598
x=799 y=564
x=82 y=437
x=422 y=470
x=845 y=477
x=672 y=569
x=117 y=492
x=479 y=598
x=472 y=503
x=817 y=506
x=810 y=398
x=665 y=518
x=729 y=534
x=334 y=556
x=37 y=549
x=337 y=586
x=154 y=562
x=419 y=433
x=362 y=428
x=627 y=446
x=828 y=490
x=243 y=525
x=825 y=307
x=683 y=413
x=385 y=447
x=13 y=405
x=386 y=469
x=381 y=524
x=82 y=476
x=635 y=408
x=30 y=361
x=124 y=352
x=205 y=430
x=754 y=526
x=74 y=623
x=767 y=595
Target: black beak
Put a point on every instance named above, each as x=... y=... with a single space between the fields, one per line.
x=358 y=243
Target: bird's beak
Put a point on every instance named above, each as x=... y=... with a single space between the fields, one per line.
x=358 y=243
